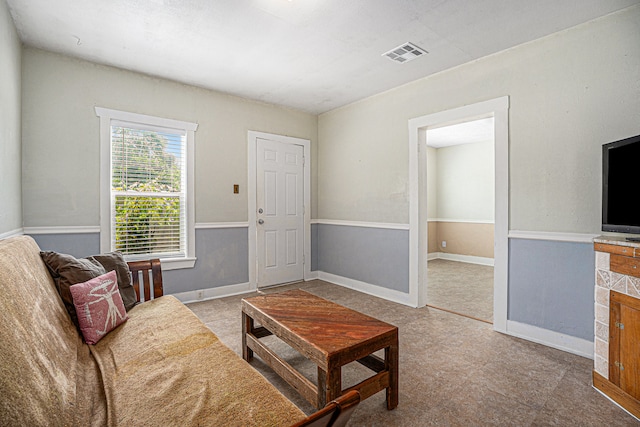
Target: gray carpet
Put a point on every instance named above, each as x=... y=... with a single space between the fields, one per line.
x=461 y=287
x=454 y=371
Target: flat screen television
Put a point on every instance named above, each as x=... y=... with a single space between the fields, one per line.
x=620 y=167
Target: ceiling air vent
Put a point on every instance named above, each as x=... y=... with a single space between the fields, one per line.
x=405 y=53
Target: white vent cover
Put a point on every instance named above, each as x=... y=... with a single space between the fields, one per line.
x=405 y=52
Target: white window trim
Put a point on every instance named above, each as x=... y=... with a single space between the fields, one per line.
x=106 y=115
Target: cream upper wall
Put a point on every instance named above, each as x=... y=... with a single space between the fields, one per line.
x=465 y=182
x=10 y=149
x=432 y=182
x=569 y=93
x=61 y=137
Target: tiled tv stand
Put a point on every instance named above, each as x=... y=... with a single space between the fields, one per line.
x=617 y=311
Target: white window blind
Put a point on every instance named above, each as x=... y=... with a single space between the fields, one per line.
x=147 y=196
x=148 y=190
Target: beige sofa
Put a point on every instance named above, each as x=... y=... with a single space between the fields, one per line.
x=161 y=367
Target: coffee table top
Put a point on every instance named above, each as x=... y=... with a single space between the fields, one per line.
x=325 y=326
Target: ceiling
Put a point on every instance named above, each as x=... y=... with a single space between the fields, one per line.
x=462 y=133
x=312 y=55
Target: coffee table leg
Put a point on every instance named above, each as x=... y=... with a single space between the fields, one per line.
x=247 y=327
x=322 y=389
x=391 y=362
x=334 y=383
x=329 y=385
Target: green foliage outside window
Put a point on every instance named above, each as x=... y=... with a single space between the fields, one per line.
x=146 y=162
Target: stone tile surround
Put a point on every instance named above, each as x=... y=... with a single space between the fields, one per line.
x=606 y=281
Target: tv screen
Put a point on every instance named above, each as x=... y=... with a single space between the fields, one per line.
x=620 y=163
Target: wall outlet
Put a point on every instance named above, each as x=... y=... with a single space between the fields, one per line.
x=444 y=243
x=199 y=295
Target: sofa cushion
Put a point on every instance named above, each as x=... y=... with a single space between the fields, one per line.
x=185 y=375
x=99 y=306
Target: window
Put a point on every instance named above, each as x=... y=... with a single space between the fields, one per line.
x=147 y=187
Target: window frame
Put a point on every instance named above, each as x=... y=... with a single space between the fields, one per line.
x=106 y=116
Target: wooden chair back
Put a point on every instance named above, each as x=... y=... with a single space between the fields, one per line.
x=148 y=275
x=335 y=414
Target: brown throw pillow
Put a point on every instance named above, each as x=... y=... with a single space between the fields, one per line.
x=115 y=261
x=67 y=270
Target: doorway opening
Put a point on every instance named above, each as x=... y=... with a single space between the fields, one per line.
x=418 y=205
x=460 y=201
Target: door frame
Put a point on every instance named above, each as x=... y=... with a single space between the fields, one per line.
x=252 y=137
x=418 y=234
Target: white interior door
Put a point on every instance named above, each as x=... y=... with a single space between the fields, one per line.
x=279 y=212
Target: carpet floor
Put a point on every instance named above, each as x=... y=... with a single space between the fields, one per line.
x=461 y=287
x=454 y=371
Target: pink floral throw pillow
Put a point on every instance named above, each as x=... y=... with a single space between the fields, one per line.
x=99 y=306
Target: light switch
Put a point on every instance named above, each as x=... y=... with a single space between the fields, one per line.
x=236 y=188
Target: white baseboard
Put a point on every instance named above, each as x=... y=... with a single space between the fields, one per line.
x=209 y=225
x=461 y=258
x=70 y=229
x=367 y=288
x=563 y=342
x=387 y=225
x=12 y=233
x=574 y=345
x=466 y=221
x=552 y=236
x=213 y=293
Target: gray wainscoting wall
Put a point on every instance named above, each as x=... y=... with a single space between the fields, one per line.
x=551 y=285
x=222 y=257
x=77 y=244
x=377 y=256
x=550 y=282
x=314 y=247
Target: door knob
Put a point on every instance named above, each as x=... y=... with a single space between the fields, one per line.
x=260 y=221
x=260 y=210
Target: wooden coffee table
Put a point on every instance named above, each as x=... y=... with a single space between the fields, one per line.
x=329 y=335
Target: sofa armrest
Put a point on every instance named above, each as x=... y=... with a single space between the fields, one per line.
x=151 y=273
x=335 y=414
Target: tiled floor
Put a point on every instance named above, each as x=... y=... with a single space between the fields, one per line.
x=454 y=371
x=461 y=287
